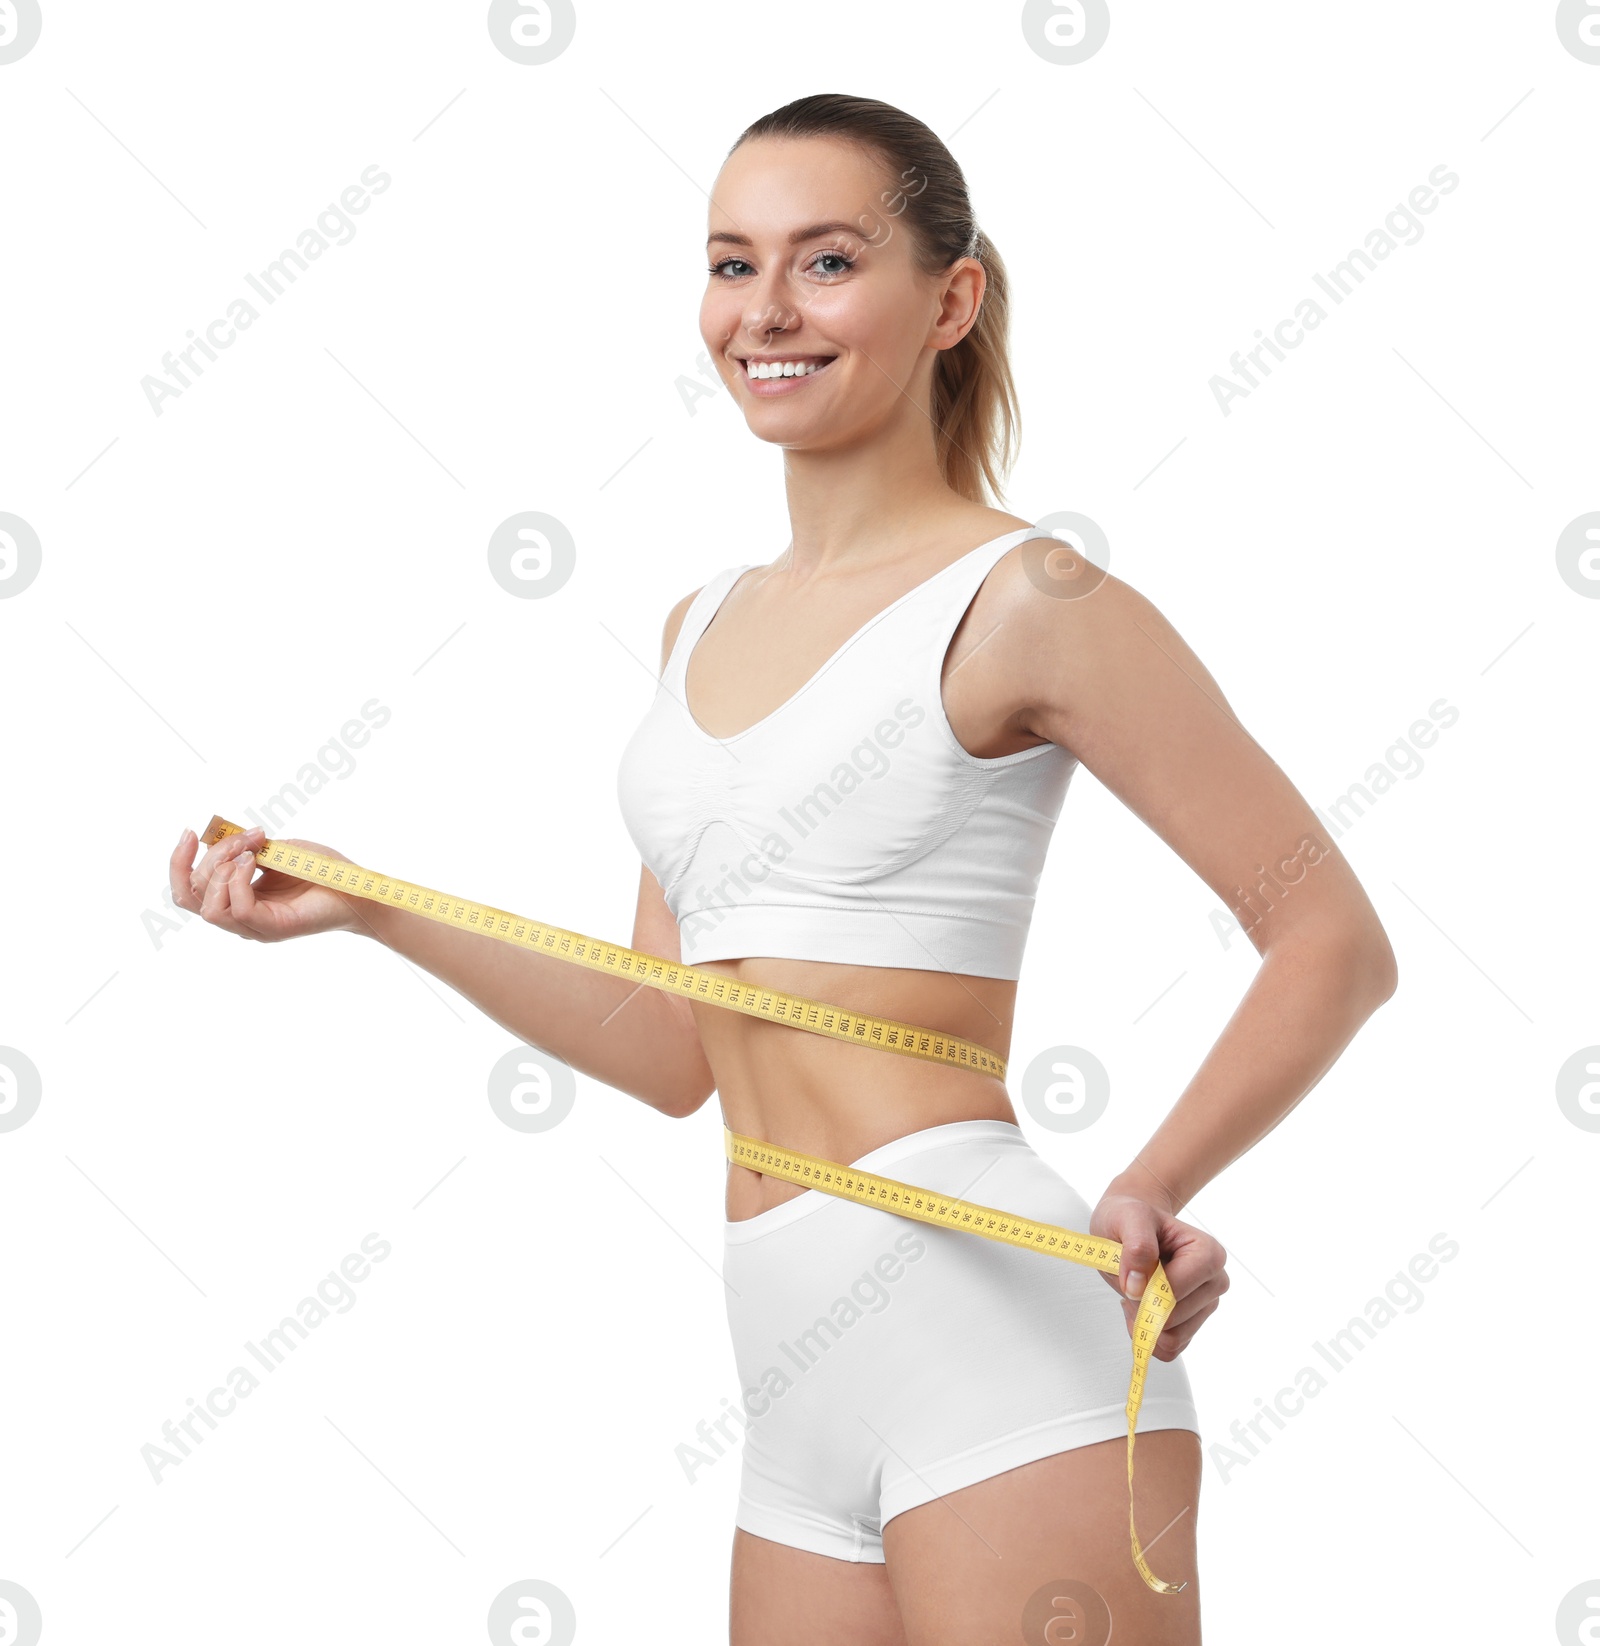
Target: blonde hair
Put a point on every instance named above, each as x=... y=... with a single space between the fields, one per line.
x=976 y=418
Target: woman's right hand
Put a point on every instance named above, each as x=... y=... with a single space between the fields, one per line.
x=222 y=888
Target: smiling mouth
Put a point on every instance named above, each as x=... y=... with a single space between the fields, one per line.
x=769 y=371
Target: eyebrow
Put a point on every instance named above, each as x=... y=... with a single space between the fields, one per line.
x=812 y=231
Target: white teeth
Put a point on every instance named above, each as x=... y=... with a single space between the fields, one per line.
x=782 y=368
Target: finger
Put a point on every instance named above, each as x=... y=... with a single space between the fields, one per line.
x=178 y=871
x=214 y=903
x=1140 y=1252
x=1203 y=1298
x=1175 y=1333
x=1193 y=1263
x=223 y=850
x=221 y=854
x=250 y=913
x=1174 y=1341
x=1183 y=1307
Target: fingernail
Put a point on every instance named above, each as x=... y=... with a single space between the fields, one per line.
x=1135 y=1283
x=182 y=837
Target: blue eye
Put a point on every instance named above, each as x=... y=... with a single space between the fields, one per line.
x=847 y=263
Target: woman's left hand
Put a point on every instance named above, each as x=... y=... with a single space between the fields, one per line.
x=1192 y=1259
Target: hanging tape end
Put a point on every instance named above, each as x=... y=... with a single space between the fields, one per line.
x=217 y=828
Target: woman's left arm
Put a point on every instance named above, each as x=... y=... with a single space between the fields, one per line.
x=1102 y=673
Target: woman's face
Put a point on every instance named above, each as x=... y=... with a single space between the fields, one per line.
x=812 y=265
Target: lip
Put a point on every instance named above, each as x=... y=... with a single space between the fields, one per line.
x=768 y=388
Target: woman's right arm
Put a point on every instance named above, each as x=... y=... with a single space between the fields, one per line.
x=632 y=1037
x=635 y=1038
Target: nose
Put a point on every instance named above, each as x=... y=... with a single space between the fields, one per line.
x=766 y=314
x=770 y=304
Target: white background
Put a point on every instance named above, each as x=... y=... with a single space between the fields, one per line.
x=304 y=530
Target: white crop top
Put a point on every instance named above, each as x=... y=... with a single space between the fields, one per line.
x=849 y=824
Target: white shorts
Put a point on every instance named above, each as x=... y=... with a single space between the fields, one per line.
x=885 y=1362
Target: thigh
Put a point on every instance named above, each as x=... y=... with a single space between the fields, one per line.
x=979 y=1564
x=788 y=1597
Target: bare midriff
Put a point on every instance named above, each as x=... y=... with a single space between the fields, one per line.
x=838 y=1101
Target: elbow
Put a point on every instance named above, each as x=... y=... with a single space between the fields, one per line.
x=1354 y=963
x=1372 y=967
x=1388 y=973
x=684 y=1099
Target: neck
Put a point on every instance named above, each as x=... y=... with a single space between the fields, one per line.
x=873 y=501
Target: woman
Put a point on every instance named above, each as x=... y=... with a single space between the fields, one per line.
x=844 y=789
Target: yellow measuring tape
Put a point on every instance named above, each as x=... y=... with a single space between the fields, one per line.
x=813 y=1016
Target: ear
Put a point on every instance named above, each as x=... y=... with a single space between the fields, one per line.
x=960 y=303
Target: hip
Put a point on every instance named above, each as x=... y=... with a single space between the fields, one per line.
x=807 y=1279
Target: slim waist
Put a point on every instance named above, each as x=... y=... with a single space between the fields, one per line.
x=1003 y=1134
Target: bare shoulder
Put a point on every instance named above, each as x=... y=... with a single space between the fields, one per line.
x=674 y=623
x=1088 y=651
x=1046 y=590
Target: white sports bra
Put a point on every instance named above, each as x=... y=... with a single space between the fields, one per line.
x=849 y=824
